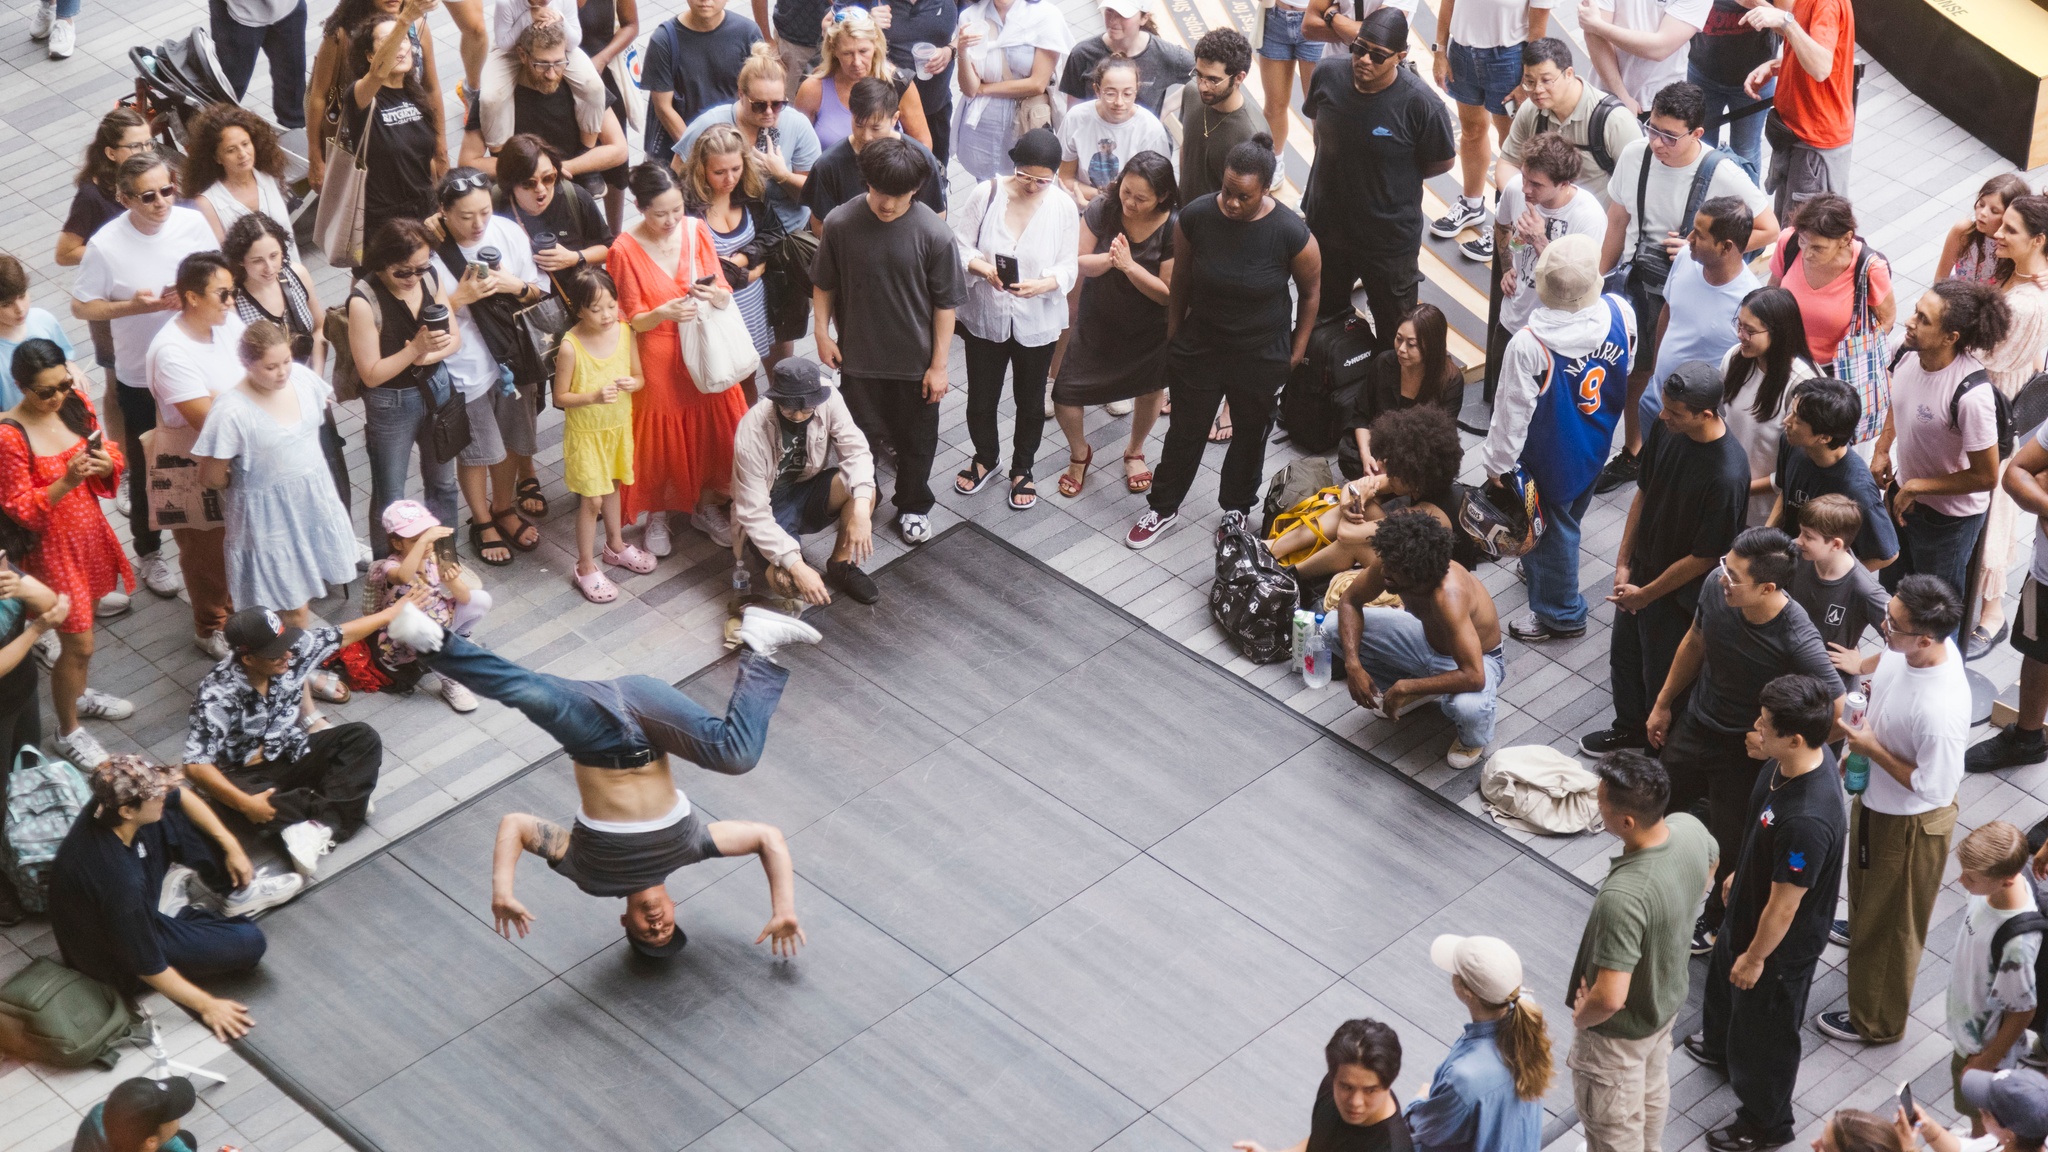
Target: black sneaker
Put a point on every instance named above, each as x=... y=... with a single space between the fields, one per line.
x=1530 y=628
x=846 y=577
x=1479 y=251
x=1619 y=471
x=1695 y=1046
x=1702 y=937
x=2011 y=748
x=1739 y=1137
x=1836 y=1025
x=1838 y=931
x=1463 y=214
x=1611 y=740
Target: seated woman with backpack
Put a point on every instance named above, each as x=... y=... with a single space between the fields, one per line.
x=1419 y=456
x=1419 y=370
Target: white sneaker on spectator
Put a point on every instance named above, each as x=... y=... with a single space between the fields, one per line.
x=112 y=604
x=914 y=527
x=459 y=698
x=213 y=644
x=416 y=630
x=364 y=557
x=63 y=39
x=765 y=631
x=121 y=504
x=656 y=539
x=177 y=889
x=47 y=649
x=94 y=704
x=81 y=748
x=263 y=892
x=715 y=521
x=1120 y=407
x=158 y=576
x=306 y=842
x=1048 y=403
x=39 y=21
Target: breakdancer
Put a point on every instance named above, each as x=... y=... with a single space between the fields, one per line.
x=634 y=826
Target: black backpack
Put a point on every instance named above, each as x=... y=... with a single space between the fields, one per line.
x=1312 y=405
x=2008 y=432
x=1253 y=599
x=1596 y=129
x=2020 y=925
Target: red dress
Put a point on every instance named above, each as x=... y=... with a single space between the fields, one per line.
x=682 y=438
x=77 y=553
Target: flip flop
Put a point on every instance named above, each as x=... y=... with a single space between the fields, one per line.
x=1220 y=431
x=1070 y=487
x=328 y=687
x=529 y=490
x=596 y=587
x=1142 y=481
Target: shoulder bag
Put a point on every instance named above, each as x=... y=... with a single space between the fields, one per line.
x=717 y=348
x=338 y=219
x=1862 y=358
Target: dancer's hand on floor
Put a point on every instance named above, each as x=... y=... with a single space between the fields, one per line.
x=786 y=932
x=510 y=914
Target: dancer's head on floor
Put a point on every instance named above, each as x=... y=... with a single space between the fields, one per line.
x=650 y=922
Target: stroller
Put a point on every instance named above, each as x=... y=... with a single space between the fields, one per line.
x=180 y=78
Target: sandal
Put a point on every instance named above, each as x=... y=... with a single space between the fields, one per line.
x=1023 y=493
x=1219 y=432
x=1070 y=487
x=518 y=537
x=596 y=587
x=328 y=688
x=315 y=721
x=973 y=478
x=479 y=545
x=1140 y=481
x=528 y=493
x=632 y=558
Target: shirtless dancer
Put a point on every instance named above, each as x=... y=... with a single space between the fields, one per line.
x=1443 y=643
x=634 y=826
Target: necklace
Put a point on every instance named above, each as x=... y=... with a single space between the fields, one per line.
x=1206 y=126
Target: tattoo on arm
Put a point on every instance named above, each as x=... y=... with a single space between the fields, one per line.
x=545 y=840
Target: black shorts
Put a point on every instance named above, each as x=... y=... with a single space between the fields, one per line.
x=622 y=863
x=2030 y=627
x=806 y=507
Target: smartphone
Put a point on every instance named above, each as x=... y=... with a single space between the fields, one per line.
x=1906 y=1099
x=94 y=439
x=704 y=280
x=1006 y=270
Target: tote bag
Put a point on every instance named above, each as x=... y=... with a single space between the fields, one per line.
x=717 y=348
x=338 y=219
x=1862 y=359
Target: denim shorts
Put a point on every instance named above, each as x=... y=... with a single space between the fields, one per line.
x=807 y=506
x=1284 y=40
x=1485 y=75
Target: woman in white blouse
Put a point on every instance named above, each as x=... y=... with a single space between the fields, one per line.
x=1020 y=241
x=1760 y=375
x=1007 y=50
x=234 y=166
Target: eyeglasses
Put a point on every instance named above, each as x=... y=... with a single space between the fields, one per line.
x=144 y=146
x=408 y=272
x=547 y=65
x=1669 y=138
x=167 y=193
x=767 y=107
x=544 y=180
x=1745 y=331
x=464 y=185
x=1035 y=181
x=1884 y=625
x=1376 y=54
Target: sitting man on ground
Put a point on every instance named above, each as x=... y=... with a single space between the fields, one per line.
x=1419 y=457
x=1442 y=644
x=140 y=1115
x=246 y=747
x=782 y=487
x=108 y=892
x=635 y=826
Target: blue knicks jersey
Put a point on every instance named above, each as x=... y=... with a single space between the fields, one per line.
x=1576 y=411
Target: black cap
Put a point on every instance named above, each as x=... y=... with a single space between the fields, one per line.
x=798 y=383
x=662 y=951
x=1698 y=384
x=259 y=632
x=1385 y=27
x=1038 y=148
x=136 y=1108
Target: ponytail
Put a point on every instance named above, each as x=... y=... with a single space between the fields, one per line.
x=1525 y=1046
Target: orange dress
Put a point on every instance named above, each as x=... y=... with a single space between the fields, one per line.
x=682 y=438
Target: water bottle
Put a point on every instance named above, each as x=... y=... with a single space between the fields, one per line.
x=742 y=588
x=1315 y=657
x=1856 y=773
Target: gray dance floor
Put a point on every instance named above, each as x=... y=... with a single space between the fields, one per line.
x=1067 y=887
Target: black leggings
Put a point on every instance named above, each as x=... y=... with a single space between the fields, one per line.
x=138 y=410
x=987 y=360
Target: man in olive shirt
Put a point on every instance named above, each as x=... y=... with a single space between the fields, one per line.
x=1214 y=116
x=1629 y=979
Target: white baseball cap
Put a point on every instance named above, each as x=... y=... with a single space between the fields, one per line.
x=1486 y=964
x=1128 y=9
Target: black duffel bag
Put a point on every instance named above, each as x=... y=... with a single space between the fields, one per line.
x=1253 y=599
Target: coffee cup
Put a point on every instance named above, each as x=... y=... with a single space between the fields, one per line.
x=542 y=241
x=434 y=314
x=490 y=258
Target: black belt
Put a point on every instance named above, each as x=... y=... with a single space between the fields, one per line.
x=629 y=758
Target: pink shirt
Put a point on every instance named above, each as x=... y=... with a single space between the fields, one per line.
x=1924 y=445
x=1828 y=309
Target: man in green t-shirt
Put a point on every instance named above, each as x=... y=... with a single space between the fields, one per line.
x=1630 y=977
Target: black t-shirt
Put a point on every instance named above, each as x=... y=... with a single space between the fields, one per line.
x=887 y=280
x=572 y=216
x=1365 y=189
x=1206 y=140
x=103 y=896
x=1742 y=657
x=402 y=147
x=1795 y=835
x=90 y=208
x=803 y=21
x=1726 y=51
x=1327 y=1131
x=702 y=69
x=1160 y=66
x=1379 y=392
x=836 y=178
x=1800 y=480
x=1695 y=499
x=1238 y=272
x=920 y=22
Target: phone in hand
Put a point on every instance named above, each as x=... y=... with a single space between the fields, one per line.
x=706 y=280
x=94 y=439
x=1006 y=271
x=1906 y=1100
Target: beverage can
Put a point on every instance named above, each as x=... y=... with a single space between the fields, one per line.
x=1855 y=706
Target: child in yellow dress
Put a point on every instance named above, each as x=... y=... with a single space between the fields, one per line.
x=596 y=373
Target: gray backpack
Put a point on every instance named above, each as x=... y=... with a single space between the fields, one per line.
x=44 y=798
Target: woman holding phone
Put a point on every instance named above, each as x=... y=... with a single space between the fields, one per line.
x=393 y=345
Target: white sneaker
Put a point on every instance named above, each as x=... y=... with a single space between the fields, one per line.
x=121 y=504
x=656 y=539
x=94 y=704
x=263 y=892
x=177 y=889
x=416 y=630
x=1120 y=407
x=715 y=521
x=63 y=39
x=1048 y=403
x=81 y=748
x=158 y=576
x=306 y=842
x=364 y=557
x=765 y=631
x=914 y=529
x=459 y=698
x=213 y=644
x=112 y=604
x=1462 y=757
x=48 y=648
x=39 y=21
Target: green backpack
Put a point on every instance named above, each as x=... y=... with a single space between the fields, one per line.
x=44 y=797
x=54 y=1015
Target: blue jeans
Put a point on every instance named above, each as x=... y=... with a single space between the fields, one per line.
x=394 y=423
x=627 y=715
x=1394 y=648
x=1284 y=40
x=1745 y=136
x=1935 y=544
x=284 y=42
x=67 y=9
x=1553 y=565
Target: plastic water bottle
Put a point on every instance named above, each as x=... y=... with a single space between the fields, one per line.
x=1855 y=773
x=742 y=588
x=1315 y=657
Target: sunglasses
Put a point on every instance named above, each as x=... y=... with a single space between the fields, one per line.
x=855 y=16
x=408 y=272
x=167 y=194
x=464 y=185
x=47 y=393
x=1372 y=52
x=767 y=107
x=545 y=180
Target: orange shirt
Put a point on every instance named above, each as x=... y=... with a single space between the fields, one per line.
x=1822 y=113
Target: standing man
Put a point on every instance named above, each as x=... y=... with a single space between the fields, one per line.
x=1641 y=46
x=1813 y=118
x=1917 y=729
x=1596 y=124
x=1384 y=133
x=2023 y=742
x=1543 y=204
x=1702 y=295
x=1780 y=898
x=1814 y=460
x=1685 y=516
x=915 y=24
x=1214 y=115
x=1478 y=65
x=277 y=28
x=1574 y=354
x=692 y=63
x=1746 y=633
x=836 y=178
x=1629 y=979
x=888 y=275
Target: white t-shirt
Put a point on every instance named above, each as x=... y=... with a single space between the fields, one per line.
x=1702 y=325
x=181 y=368
x=1642 y=78
x=511 y=17
x=1096 y=146
x=1926 y=445
x=1669 y=188
x=1976 y=997
x=1922 y=716
x=474 y=368
x=1493 y=23
x=1760 y=438
x=121 y=261
x=260 y=13
x=1581 y=215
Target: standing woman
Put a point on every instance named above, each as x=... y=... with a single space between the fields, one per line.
x=723 y=183
x=287 y=534
x=122 y=133
x=51 y=483
x=235 y=168
x=327 y=91
x=1013 y=329
x=392 y=350
x=1488 y=1092
x=1418 y=369
x=1971 y=250
x=408 y=153
x=2022 y=275
x=853 y=49
x=532 y=190
x=682 y=437
x=1758 y=378
x=1007 y=50
x=1227 y=330
x=1816 y=262
x=1285 y=50
x=928 y=25
x=1119 y=341
x=609 y=27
